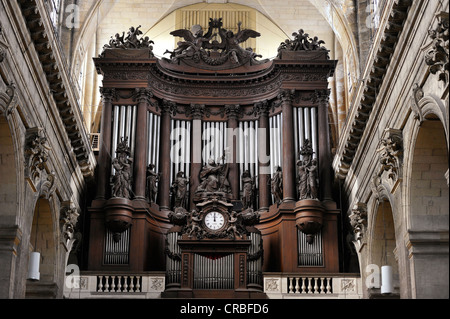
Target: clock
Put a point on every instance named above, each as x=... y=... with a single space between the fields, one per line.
x=214 y=220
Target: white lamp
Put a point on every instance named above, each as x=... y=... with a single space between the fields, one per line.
x=33 y=266
x=387 y=286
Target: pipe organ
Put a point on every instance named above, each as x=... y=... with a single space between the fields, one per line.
x=214 y=164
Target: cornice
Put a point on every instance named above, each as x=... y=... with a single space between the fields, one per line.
x=45 y=44
x=376 y=69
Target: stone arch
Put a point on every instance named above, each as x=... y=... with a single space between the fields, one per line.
x=382 y=240
x=11 y=193
x=427 y=202
x=44 y=238
x=10 y=232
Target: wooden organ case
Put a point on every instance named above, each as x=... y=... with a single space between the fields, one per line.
x=214 y=164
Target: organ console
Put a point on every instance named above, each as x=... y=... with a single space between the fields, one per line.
x=230 y=163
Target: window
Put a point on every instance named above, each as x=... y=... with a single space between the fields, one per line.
x=54 y=9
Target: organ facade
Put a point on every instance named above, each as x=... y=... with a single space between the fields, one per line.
x=214 y=164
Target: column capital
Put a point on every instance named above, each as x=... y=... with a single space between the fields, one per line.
x=321 y=96
x=262 y=108
x=168 y=107
x=109 y=94
x=142 y=95
x=233 y=111
x=196 y=111
x=286 y=95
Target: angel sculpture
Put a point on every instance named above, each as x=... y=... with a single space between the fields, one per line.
x=231 y=41
x=131 y=40
x=194 y=42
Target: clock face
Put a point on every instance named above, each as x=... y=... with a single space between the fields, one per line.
x=214 y=220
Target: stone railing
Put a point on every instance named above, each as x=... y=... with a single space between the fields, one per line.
x=331 y=286
x=115 y=285
x=151 y=285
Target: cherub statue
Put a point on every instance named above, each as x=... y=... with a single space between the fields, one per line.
x=194 y=223
x=194 y=41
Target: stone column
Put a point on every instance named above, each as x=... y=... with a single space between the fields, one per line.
x=262 y=110
x=167 y=108
x=324 y=155
x=233 y=112
x=10 y=242
x=104 y=157
x=142 y=96
x=289 y=191
x=196 y=111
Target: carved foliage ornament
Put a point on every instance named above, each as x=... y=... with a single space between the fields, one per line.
x=358 y=220
x=68 y=220
x=391 y=153
x=36 y=156
x=437 y=58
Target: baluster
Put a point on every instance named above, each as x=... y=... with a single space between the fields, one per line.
x=316 y=287
x=309 y=285
x=131 y=283
x=138 y=285
x=107 y=284
x=125 y=283
x=291 y=287
x=322 y=286
x=329 y=286
x=297 y=286
x=113 y=284
x=119 y=283
x=303 y=286
x=100 y=284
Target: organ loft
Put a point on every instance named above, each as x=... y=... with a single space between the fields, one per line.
x=214 y=164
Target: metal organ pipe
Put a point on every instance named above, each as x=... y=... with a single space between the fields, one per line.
x=314 y=131
x=124 y=122
x=153 y=140
x=181 y=148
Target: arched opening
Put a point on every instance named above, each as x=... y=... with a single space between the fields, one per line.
x=8 y=188
x=42 y=240
x=383 y=246
x=429 y=188
x=9 y=231
x=429 y=212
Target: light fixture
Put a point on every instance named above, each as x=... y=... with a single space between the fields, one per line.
x=33 y=266
x=35 y=257
x=387 y=285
